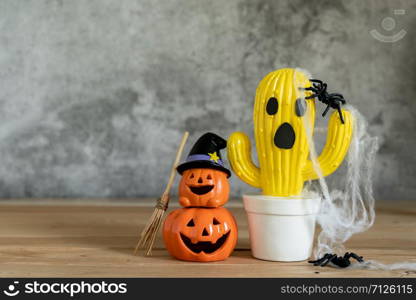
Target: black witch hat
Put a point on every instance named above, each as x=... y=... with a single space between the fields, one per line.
x=206 y=154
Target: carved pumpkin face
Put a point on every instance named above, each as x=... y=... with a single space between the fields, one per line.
x=200 y=234
x=203 y=188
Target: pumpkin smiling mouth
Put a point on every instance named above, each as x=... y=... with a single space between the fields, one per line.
x=201 y=189
x=206 y=247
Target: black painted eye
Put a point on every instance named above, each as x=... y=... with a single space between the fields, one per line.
x=300 y=107
x=191 y=223
x=272 y=106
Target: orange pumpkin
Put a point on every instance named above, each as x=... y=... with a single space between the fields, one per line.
x=203 y=188
x=200 y=234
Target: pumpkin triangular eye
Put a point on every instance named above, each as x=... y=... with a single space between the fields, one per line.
x=216 y=222
x=209 y=177
x=191 y=223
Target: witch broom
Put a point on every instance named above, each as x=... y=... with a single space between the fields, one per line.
x=148 y=235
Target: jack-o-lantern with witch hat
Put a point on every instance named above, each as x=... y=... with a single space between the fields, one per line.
x=202 y=230
x=204 y=177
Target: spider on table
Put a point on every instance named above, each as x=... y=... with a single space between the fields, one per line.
x=340 y=261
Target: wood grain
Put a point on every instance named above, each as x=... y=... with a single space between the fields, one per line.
x=97 y=240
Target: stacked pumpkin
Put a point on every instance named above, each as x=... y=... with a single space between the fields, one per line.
x=202 y=230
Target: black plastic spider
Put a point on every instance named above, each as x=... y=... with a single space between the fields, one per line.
x=332 y=100
x=340 y=261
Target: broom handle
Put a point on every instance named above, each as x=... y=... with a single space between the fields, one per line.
x=178 y=157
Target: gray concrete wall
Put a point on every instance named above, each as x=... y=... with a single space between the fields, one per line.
x=95 y=95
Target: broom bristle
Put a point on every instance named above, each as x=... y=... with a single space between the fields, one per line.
x=148 y=235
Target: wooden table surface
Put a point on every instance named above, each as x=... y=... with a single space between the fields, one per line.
x=58 y=239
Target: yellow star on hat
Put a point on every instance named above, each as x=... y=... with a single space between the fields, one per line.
x=213 y=156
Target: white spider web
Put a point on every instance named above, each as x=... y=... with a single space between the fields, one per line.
x=348 y=208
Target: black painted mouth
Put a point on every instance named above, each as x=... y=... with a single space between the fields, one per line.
x=206 y=247
x=201 y=189
x=284 y=137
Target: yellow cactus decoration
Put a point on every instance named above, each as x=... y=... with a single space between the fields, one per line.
x=281 y=137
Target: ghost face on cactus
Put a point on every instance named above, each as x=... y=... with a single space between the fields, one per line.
x=280 y=115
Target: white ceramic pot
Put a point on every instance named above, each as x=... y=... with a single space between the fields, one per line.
x=281 y=228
